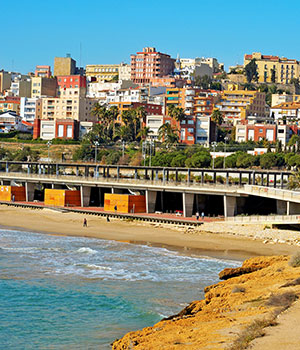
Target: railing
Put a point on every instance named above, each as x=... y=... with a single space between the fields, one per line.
x=273 y=192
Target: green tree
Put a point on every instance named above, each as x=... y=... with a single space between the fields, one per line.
x=217 y=117
x=268 y=160
x=168 y=134
x=124 y=133
x=294 y=140
x=251 y=71
x=176 y=112
x=203 y=82
x=273 y=75
x=144 y=132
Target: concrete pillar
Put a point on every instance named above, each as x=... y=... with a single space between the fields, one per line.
x=150 y=201
x=188 y=203
x=229 y=206
x=281 y=207
x=29 y=189
x=85 y=194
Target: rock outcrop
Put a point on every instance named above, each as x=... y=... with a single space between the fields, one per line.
x=229 y=306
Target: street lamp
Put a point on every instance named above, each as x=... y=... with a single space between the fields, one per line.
x=49 y=143
x=214 y=144
x=96 y=143
x=225 y=139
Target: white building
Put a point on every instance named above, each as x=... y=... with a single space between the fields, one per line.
x=28 y=108
x=96 y=89
x=154 y=122
x=124 y=71
x=10 y=121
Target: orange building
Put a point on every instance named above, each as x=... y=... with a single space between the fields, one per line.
x=62 y=198
x=9 y=193
x=124 y=203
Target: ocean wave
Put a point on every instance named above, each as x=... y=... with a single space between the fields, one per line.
x=86 y=250
x=94 y=267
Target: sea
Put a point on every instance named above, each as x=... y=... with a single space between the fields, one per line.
x=59 y=292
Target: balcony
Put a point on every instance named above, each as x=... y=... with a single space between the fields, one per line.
x=190 y=92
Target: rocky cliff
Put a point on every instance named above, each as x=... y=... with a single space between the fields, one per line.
x=257 y=290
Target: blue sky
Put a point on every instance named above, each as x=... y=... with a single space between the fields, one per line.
x=34 y=32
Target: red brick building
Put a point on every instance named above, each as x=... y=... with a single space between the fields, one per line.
x=150 y=64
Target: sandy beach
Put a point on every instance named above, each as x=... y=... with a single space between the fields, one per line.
x=211 y=239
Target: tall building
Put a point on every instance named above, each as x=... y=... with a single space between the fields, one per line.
x=102 y=72
x=64 y=66
x=43 y=71
x=29 y=109
x=150 y=64
x=274 y=68
x=43 y=87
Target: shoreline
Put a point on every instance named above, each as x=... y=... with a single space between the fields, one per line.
x=187 y=241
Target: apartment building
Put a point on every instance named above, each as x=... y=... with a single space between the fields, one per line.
x=279 y=69
x=43 y=87
x=5 y=80
x=71 y=85
x=154 y=122
x=30 y=108
x=102 y=72
x=10 y=103
x=124 y=71
x=198 y=106
x=43 y=71
x=239 y=104
x=150 y=64
x=64 y=66
x=286 y=110
x=270 y=132
x=281 y=98
x=20 y=87
x=150 y=109
x=72 y=107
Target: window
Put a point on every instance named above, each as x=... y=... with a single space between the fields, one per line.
x=190 y=138
x=69 y=131
x=191 y=122
x=190 y=129
x=260 y=131
x=60 y=131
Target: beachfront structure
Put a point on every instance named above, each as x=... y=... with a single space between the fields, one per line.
x=274 y=69
x=102 y=72
x=150 y=64
x=239 y=104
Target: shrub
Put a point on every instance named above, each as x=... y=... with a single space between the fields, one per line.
x=295 y=260
x=284 y=300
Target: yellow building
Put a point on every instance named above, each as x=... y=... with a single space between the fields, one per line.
x=284 y=69
x=239 y=104
x=76 y=108
x=10 y=103
x=64 y=66
x=102 y=72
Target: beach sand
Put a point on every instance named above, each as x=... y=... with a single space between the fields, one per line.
x=188 y=241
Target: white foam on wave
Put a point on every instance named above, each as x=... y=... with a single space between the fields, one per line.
x=97 y=267
x=86 y=250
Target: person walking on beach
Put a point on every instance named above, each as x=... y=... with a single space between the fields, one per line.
x=202 y=215
x=197 y=215
x=84 y=222
x=107 y=219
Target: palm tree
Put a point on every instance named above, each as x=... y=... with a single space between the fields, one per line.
x=141 y=113
x=113 y=114
x=124 y=132
x=144 y=132
x=168 y=134
x=217 y=117
x=101 y=113
x=176 y=112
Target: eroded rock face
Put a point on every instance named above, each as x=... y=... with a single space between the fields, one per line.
x=214 y=322
x=249 y=266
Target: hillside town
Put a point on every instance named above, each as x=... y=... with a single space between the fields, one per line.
x=187 y=101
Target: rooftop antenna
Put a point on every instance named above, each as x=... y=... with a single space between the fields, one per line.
x=80 y=56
